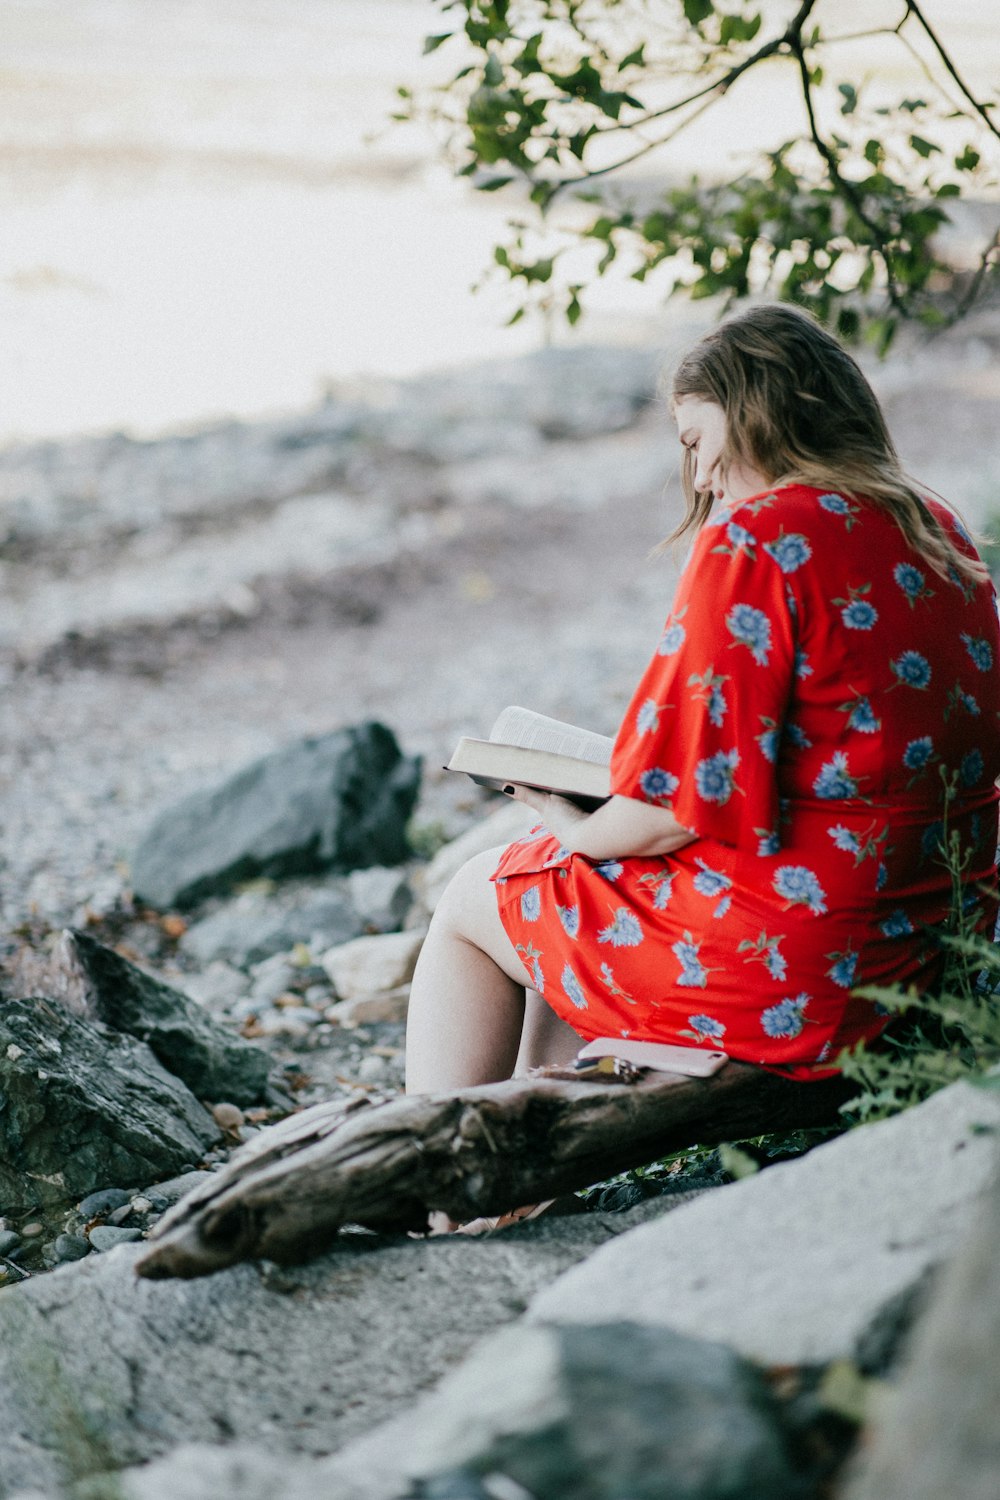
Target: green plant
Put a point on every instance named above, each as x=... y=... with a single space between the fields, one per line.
x=559 y=98
x=949 y=1034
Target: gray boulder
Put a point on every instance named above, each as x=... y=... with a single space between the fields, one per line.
x=84 y=1107
x=339 y=802
x=256 y=925
x=607 y=1412
x=100 y=1370
x=213 y=1062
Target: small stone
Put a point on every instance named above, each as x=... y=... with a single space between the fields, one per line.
x=121 y=1214
x=69 y=1247
x=390 y=1005
x=142 y=1206
x=228 y=1116
x=270 y=981
x=104 y=1201
x=32 y=1231
x=372 y=965
x=157 y=1203
x=9 y=1240
x=163 y=1194
x=371 y=1069
x=106 y=1236
x=381 y=897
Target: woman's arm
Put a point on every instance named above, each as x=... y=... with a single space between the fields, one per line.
x=622 y=826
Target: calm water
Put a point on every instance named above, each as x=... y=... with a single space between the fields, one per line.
x=203 y=211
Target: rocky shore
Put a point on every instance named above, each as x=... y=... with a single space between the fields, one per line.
x=214 y=650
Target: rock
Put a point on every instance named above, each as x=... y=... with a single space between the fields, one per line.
x=271 y=979
x=381 y=897
x=85 y=1105
x=937 y=1433
x=389 y=1005
x=110 y=1236
x=199 y=1471
x=100 y=1369
x=336 y=802
x=217 y=987
x=212 y=1062
x=372 y=965
x=9 y=1240
x=770 y=1264
x=70 y=1247
x=165 y=1194
x=606 y=1411
x=228 y=1117
x=509 y=822
x=258 y=924
x=104 y=1201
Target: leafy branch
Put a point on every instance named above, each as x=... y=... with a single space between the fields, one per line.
x=557 y=99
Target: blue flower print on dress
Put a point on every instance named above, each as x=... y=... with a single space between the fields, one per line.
x=932 y=841
x=714 y=777
x=789 y=550
x=530 y=956
x=750 y=627
x=531 y=904
x=674 y=634
x=795 y=735
x=712 y=883
x=881 y=875
x=573 y=989
x=658 y=785
x=647 y=720
x=897 y=924
x=972 y=770
x=836 y=505
x=765 y=950
x=834 y=779
x=845 y=839
x=856 y=612
x=610 y=869
x=769 y=738
x=959 y=698
x=799 y=886
x=842 y=968
x=919 y=753
x=663 y=888
x=802 y=667
x=607 y=974
x=768 y=842
x=912 y=669
x=705 y=1029
x=860 y=715
x=786 y=1018
x=708 y=687
x=556 y=857
x=740 y=537
x=693 y=973
x=980 y=651
x=623 y=931
x=912 y=581
x=569 y=917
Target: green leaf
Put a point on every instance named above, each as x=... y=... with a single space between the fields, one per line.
x=948 y=190
x=921 y=147
x=697 y=11
x=968 y=160
x=493 y=184
x=912 y=105
x=635 y=59
x=493 y=72
x=515 y=317
x=850 y=98
x=432 y=43
x=574 y=311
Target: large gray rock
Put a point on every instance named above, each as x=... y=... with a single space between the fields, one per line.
x=938 y=1434
x=799 y=1265
x=83 y=1107
x=213 y=1062
x=258 y=924
x=607 y=1412
x=339 y=801
x=99 y=1369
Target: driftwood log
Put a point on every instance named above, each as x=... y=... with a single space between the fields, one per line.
x=484 y=1150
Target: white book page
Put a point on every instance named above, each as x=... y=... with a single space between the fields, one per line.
x=522 y=726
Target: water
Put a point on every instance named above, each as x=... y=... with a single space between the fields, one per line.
x=203 y=211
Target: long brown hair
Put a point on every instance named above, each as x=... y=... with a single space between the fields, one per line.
x=799 y=410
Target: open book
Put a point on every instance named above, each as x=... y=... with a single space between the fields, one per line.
x=537 y=751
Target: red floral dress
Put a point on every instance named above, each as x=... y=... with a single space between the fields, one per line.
x=822 y=710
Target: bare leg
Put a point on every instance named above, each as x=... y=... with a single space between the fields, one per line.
x=467 y=1000
x=467 y=1004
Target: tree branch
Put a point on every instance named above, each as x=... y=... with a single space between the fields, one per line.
x=981 y=110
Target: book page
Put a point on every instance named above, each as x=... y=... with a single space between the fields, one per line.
x=522 y=726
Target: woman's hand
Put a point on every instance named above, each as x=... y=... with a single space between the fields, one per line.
x=619 y=828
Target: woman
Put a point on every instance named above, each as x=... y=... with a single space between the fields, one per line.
x=820 y=712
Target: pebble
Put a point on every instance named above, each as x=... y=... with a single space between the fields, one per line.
x=371 y=1069
x=165 y=1193
x=228 y=1116
x=121 y=1214
x=143 y=1206
x=103 y=1202
x=107 y=1236
x=32 y=1231
x=70 y=1247
x=9 y=1240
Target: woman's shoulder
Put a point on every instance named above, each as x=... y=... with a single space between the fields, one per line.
x=792 y=509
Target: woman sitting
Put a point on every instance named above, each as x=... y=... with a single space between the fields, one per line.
x=819 y=715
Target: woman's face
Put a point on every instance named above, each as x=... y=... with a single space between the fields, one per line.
x=701 y=426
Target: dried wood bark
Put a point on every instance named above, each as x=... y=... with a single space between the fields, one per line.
x=482 y=1150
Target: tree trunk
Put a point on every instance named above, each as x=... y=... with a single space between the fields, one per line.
x=482 y=1150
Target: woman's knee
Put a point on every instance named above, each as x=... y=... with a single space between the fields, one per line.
x=470 y=894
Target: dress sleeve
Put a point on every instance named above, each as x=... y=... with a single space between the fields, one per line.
x=702 y=734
